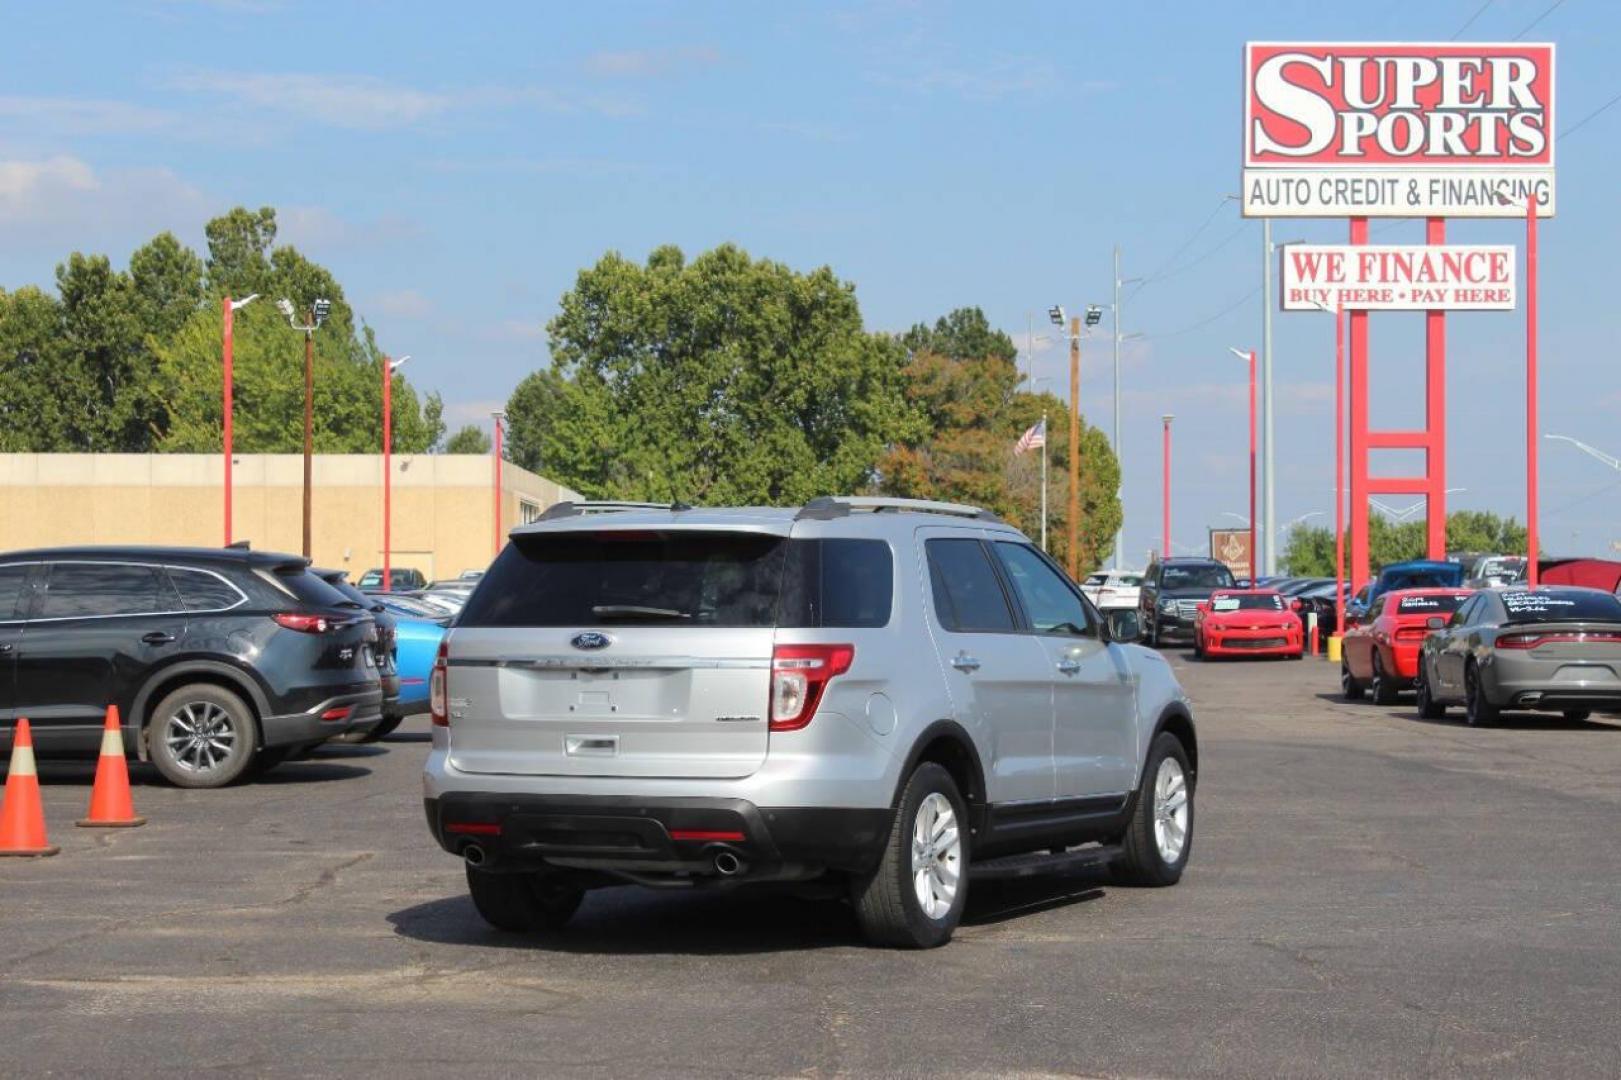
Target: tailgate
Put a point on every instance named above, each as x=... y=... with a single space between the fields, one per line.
x=648 y=703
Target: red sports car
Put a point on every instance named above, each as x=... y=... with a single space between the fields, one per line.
x=1380 y=652
x=1248 y=622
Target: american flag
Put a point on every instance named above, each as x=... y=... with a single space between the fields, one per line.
x=1036 y=436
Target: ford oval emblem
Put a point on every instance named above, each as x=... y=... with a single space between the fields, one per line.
x=591 y=640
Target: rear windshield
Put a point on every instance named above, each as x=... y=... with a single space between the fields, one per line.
x=1247 y=602
x=1426 y=578
x=310 y=589
x=1430 y=605
x=1209 y=576
x=1562 y=606
x=684 y=579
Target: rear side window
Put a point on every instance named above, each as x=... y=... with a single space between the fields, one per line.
x=843 y=583
x=81 y=590
x=632 y=579
x=968 y=597
x=12 y=579
x=202 y=591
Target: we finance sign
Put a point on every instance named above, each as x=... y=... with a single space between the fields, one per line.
x=1398 y=277
x=1398 y=130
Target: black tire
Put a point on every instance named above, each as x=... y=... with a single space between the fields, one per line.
x=1477 y=710
x=1198 y=647
x=523 y=903
x=886 y=902
x=1142 y=862
x=215 y=710
x=1153 y=633
x=1428 y=707
x=1350 y=686
x=1576 y=716
x=1384 y=688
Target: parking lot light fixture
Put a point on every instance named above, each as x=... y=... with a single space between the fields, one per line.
x=228 y=310
x=389 y=368
x=318 y=313
x=1591 y=451
x=1165 y=484
x=1249 y=356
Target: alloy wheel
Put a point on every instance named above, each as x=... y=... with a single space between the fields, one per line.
x=1170 y=810
x=936 y=855
x=200 y=736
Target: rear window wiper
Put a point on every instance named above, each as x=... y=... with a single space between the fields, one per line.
x=636 y=611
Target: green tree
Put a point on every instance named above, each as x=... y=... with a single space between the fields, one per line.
x=973 y=416
x=37 y=381
x=468 y=439
x=1310 y=551
x=726 y=380
x=168 y=282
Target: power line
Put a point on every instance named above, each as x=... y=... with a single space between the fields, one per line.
x=1470 y=21
x=1228 y=310
x=1528 y=26
x=1590 y=116
x=1203 y=225
x=1197 y=259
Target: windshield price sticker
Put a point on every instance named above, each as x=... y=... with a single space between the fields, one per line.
x=1534 y=601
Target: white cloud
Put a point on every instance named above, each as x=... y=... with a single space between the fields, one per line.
x=1020 y=76
x=63 y=202
x=404 y=304
x=83 y=116
x=520 y=330
x=652 y=63
x=315 y=228
x=368 y=103
x=458 y=413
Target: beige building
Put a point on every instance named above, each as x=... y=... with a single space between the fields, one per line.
x=444 y=513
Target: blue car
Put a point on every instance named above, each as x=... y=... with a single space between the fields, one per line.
x=416 y=644
x=1414 y=574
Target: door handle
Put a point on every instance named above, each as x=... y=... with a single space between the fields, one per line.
x=158 y=637
x=964 y=662
x=6 y=647
x=1069 y=666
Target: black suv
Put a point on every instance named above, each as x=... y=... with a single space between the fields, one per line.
x=217 y=658
x=1171 y=592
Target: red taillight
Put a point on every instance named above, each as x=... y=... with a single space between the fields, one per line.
x=799 y=675
x=473 y=828
x=340 y=713
x=1531 y=641
x=304 y=624
x=706 y=834
x=1412 y=633
x=439 y=688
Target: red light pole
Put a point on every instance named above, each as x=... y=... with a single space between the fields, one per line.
x=389 y=368
x=228 y=309
x=1340 y=587
x=500 y=418
x=1250 y=356
x=1165 y=508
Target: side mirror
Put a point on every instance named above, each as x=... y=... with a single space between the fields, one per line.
x=1436 y=622
x=1122 y=625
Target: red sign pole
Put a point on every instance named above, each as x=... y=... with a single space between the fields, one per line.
x=388 y=474
x=1339 y=470
x=227 y=332
x=1531 y=548
x=1359 y=430
x=1435 y=349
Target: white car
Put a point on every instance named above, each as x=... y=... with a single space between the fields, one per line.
x=1110 y=589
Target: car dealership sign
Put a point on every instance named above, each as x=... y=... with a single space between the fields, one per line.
x=1398 y=277
x=1402 y=130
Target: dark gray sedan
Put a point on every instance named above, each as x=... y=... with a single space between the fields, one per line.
x=1551 y=649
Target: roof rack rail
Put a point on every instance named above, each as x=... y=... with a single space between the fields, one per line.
x=834 y=506
x=603 y=506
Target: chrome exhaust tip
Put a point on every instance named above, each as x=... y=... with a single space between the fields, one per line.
x=474 y=854
x=727 y=864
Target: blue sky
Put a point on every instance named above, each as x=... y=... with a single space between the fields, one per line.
x=457 y=166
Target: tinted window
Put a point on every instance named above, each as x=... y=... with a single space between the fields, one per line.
x=1206 y=576
x=1561 y=605
x=1048 y=600
x=76 y=590
x=631 y=579
x=967 y=594
x=1430 y=605
x=201 y=591
x=1246 y=602
x=838 y=583
x=310 y=589
x=11 y=587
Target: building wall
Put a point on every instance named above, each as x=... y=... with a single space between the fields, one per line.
x=443 y=520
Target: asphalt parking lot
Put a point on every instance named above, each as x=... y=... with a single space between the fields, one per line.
x=1370 y=894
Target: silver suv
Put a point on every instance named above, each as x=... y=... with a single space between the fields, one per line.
x=885 y=695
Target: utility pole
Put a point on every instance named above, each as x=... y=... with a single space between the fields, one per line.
x=1269 y=461
x=1074 y=554
x=1120 y=533
x=318 y=314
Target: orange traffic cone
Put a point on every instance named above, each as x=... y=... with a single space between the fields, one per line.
x=110 y=804
x=22 y=816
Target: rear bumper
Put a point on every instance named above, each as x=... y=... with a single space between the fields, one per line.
x=363 y=711
x=670 y=841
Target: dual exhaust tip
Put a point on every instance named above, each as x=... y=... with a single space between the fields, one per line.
x=726 y=863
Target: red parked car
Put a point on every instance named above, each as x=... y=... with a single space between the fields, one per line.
x=1381 y=651
x=1248 y=622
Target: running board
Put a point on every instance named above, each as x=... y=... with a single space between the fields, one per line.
x=1032 y=863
